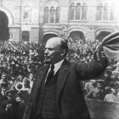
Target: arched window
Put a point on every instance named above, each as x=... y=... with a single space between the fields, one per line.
x=71 y=11
x=78 y=11
x=57 y=14
x=99 y=12
x=106 y=12
x=84 y=11
x=46 y=15
x=112 y=12
x=27 y=13
x=52 y=15
x=25 y=36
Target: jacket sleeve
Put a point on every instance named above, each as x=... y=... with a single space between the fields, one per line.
x=91 y=70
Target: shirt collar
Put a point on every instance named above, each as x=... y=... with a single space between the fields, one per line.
x=57 y=66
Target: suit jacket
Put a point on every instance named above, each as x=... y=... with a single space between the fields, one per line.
x=69 y=96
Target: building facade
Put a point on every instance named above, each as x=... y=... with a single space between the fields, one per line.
x=38 y=20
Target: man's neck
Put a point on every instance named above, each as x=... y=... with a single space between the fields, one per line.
x=58 y=65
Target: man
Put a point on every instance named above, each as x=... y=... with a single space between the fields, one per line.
x=62 y=96
x=97 y=91
x=9 y=108
x=114 y=95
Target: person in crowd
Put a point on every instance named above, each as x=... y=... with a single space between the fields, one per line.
x=22 y=98
x=107 y=79
x=97 y=91
x=89 y=85
x=31 y=79
x=12 y=81
x=9 y=107
x=3 y=89
x=57 y=92
x=26 y=83
x=113 y=77
x=17 y=58
x=114 y=95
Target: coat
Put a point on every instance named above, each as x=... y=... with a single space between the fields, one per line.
x=11 y=111
x=69 y=96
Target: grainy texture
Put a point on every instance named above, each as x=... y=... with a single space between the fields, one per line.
x=103 y=110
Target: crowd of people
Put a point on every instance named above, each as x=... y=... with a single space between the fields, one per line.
x=20 y=61
x=18 y=64
x=108 y=83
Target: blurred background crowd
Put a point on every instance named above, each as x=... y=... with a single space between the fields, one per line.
x=19 y=62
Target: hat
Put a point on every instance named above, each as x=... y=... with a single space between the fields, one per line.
x=92 y=80
x=4 y=84
x=12 y=74
x=116 y=72
x=114 y=85
x=11 y=91
x=100 y=81
x=110 y=45
x=23 y=94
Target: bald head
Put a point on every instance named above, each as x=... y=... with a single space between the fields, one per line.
x=55 y=49
x=54 y=41
x=58 y=42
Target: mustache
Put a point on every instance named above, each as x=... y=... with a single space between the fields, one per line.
x=46 y=56
x=46 y=61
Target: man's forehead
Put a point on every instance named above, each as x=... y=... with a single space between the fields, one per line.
x=53 y=42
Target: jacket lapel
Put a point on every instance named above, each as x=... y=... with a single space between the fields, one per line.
x=40 y=79
x=62 y=76
x=42 y=74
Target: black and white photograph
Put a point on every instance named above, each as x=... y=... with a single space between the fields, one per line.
x=59 y=59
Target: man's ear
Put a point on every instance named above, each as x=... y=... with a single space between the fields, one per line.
x=63 y=52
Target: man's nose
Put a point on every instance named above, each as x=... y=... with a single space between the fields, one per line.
x=46 y=51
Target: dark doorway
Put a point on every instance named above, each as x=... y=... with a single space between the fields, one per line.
x=25 y=36
x=4 y=30
x=102 y=35
x=77 y=36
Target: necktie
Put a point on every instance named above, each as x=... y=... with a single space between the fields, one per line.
x=50 y=74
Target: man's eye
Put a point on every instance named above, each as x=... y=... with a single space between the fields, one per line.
x=49 y=49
